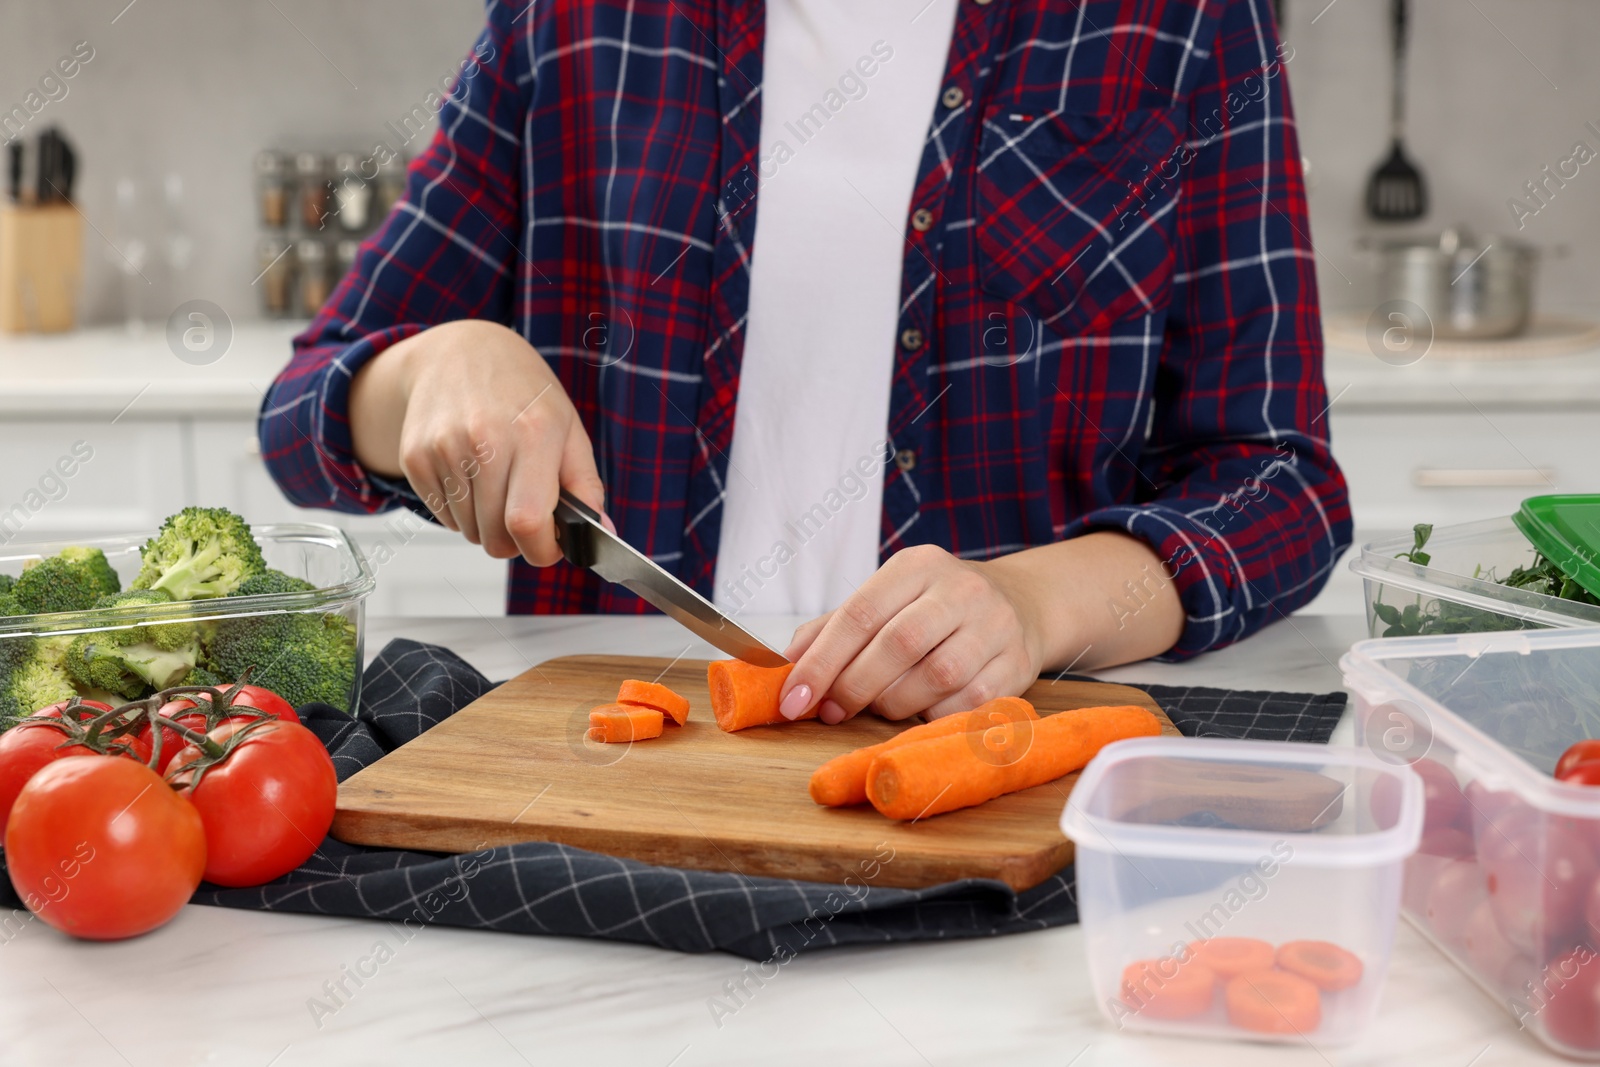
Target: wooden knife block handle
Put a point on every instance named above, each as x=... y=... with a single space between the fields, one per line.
x=41 y=261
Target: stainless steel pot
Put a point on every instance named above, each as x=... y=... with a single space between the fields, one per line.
x=1471 y=289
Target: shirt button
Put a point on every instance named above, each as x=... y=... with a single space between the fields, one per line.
x=953 y=95
x=921 y=220
x=906 y=459
x=911 y=338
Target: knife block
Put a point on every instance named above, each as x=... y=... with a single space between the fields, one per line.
x=41 y=261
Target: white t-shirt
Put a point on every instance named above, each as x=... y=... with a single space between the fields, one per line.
x=849 y=90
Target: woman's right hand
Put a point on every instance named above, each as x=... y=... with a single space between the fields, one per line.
x=477 y=422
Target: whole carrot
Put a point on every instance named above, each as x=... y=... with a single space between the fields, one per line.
x=744 y=695
x=843 y=779
x=945 y=773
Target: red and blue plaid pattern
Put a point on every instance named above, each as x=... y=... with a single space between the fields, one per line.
x=1112 y=321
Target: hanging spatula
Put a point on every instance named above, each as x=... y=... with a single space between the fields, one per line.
x=1396 y=191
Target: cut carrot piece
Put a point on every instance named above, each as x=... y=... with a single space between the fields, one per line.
x=957 y=771
x=624 y=722
x=1167 y=989
x=655 y=695
x=1273 y=1002
x=1229 y=956
x=843 y=779
x=744 y=695
x=1322 y=963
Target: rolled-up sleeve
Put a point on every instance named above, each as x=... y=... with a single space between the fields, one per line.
x=1238 y=492
x=444 y=253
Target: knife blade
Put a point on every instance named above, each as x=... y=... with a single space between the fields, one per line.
x=586 y=543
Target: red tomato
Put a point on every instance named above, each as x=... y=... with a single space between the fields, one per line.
x=173 y=742
x=1455 y=893
x=1444 y=805
x=1580 y=753
x=265 y=807
x=253 y=696
x=1450 y=841
x=1537 y=870
x=54 y=710
x=102 y=849
x=1572 y=1014
x=25 y=749
x=1591 y=913
x=1491 y=954
x=1582 y=774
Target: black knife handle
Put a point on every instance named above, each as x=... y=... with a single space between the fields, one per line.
x=573 y=531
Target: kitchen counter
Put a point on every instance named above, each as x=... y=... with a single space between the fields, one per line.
x=218 y=986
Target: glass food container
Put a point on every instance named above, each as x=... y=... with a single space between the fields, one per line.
x=323 y=555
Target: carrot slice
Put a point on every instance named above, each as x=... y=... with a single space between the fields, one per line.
x=1322 y=963
x=655 y=695
x=945 y=773
x=744 y=695
x=1229 y=956
x=843 y=780
x=1273 y=1002
x=1167 y=989
x=624 y=722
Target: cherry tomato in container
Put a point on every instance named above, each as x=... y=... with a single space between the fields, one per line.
x=266 y=806
x=1582 y=774
x=1576 y=756
x=102 y=849
x=1591 y=913
x=25 y=749
x=1444 y=805
x=1538 y=870
x=1455 y=892
x=1572 y=1013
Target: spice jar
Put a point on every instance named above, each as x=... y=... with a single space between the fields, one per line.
x=272 y=189
x=311 y=171
x=315 y=281
x=391 y=185
x=276 y=277
x=352 y=193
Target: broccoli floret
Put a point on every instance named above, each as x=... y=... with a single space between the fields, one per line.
x=32 y=675
x=71 y=580
x=201 y=676
x=302 y=657
x=199 y=553
x=6 y=582
x=10 y=605
x=271 y=581
x=130 y=659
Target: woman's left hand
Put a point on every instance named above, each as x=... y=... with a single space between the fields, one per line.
x=927 y=633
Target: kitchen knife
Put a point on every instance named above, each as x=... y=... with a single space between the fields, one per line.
x=586 y=543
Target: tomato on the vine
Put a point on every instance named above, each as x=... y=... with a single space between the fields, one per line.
x=186 y=711
x=25 y=748
x=266 y=805
x=102 y=849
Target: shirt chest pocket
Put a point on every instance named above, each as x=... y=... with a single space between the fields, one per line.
x=1076 y=213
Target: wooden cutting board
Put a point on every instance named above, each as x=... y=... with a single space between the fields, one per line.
x=515 y=766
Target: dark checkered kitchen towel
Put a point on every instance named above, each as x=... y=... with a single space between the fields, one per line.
x=538 y=888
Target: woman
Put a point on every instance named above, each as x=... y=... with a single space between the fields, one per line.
x=1017 y=367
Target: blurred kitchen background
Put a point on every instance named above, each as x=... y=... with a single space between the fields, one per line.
x=169 y=116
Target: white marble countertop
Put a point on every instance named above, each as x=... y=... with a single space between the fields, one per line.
x=218 y=986
x=108 y=371
x=100 y=370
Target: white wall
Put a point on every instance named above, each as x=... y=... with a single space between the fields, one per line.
x=197 y=87
x=1483 y=120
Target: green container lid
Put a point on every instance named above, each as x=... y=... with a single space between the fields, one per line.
x=1565 y=528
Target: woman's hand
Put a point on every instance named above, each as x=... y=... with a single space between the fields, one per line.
x=935 y=634
x=478 y=424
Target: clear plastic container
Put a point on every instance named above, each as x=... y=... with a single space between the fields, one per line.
x=322 y=555
x=1457 y=591
x=1506 y=881
x=1189 y=847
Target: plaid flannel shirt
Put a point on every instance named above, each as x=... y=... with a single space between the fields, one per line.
x=1111 y=323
